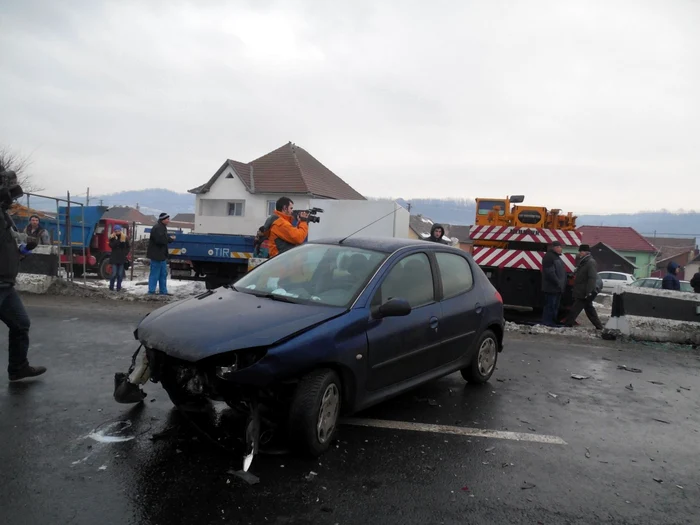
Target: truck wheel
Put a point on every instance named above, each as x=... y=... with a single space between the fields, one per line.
x=77 y=271
x=483 y=365
x=313 y=415
x=105 y=269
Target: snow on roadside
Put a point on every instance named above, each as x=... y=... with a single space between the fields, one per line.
x=131 y=290
x=578 y=331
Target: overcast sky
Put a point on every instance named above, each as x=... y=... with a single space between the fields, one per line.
x=592 y=106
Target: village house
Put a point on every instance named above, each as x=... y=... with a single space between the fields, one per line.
x=419 y=228
x=673 y=249
x=613 y=247
x=240 y=196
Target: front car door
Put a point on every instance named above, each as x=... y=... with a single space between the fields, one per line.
x=461 y=303
x=403 y=347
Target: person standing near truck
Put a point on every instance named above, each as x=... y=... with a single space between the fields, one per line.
x=35 y=232
x=158 y=254
x=585 y=288
x=671 y=280
x=553 y=283
x=279 y=230
x=119 y=243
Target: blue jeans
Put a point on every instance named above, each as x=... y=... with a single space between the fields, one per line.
x=551 y=309
x=117 y=274
x=158 y=276
x=13 y=314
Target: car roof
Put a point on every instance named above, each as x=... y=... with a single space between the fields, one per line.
x=379 y=244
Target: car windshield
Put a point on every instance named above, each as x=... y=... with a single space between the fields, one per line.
x=322 y=274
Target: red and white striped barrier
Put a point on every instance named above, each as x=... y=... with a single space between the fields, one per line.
x=524 y=259
x=512 y=233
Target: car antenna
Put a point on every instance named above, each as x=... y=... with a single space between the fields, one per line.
x=341 y=241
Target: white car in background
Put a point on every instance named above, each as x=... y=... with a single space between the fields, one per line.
x=612 y=280
x=655 y=282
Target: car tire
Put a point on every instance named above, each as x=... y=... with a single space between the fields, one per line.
x=318 y=395
x=484 y=362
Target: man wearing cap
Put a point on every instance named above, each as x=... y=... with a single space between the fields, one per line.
x=585 y=288
x=119 y=243
x=158 y=254
x=553 y=283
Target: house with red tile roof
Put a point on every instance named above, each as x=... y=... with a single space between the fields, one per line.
x=624 y=241
x=240 y=196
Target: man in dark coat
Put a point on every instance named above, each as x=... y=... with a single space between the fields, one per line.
x=158 y=254
x=671 y=280
x=35 y=232
x=119 y=243
x=553 y=283
x=695 y=282
x=437 y=232
x=585 y=288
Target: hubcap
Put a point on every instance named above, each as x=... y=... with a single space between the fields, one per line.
x=487 y=356
x=328 y=414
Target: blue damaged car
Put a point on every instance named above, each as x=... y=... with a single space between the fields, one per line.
x=329 y=327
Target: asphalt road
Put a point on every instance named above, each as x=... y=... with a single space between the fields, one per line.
x=617 y=441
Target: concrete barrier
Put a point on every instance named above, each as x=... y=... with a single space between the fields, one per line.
x=39 y=270
x=645 y=314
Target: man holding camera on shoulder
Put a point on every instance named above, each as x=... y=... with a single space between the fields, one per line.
x=12 y=312
x=281 y=233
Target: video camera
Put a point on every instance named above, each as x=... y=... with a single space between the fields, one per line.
x=10 y=190
x=312 y=214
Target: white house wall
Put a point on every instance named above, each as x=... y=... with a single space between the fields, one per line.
x=212 y=207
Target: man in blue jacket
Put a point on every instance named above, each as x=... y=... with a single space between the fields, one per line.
x=670 y=280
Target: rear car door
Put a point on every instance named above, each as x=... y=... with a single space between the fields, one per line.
x=461 y=306
x=402 y=347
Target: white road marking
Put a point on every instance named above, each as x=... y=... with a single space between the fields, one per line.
x=458 y=431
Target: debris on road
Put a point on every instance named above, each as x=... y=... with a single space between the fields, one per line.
x=310 y=476
x=588 y=453
x=629 y=369
x=553 y=395
x=658 y=480
x=432 y=402
x=103 y=467
x=629 y=387
x=655 y=382
x=579 y=377
x=249 y=478
x=684 y=387
x=489 y=449
x=465 y=489
x=527 y=486
x=662 y=421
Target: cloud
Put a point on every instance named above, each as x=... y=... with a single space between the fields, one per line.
x=588 y=106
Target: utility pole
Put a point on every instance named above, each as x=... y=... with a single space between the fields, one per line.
x=87 y=199
x=409 y=206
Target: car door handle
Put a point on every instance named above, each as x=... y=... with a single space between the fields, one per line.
x=478 y=308
x=434 y=323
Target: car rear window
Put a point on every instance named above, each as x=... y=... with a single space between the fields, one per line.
x=455 y=273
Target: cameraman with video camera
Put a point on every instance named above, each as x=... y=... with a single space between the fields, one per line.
x=279 y=230
x=12 y=312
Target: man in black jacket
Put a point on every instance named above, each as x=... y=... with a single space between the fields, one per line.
x=437 y=232
x=585 y=288
x=553 y=283
x=158 y=254
x=695 y=282
x=12 y=311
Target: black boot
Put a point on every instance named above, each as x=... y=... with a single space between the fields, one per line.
x=27 y=371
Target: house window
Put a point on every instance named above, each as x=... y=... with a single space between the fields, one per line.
x=236 y=208
x=271 y=207
x=633 y=260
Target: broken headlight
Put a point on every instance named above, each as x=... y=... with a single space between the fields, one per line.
x=226 y=366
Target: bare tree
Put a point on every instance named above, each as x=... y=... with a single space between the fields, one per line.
x=9 y=160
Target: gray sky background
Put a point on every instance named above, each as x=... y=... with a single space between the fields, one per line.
x=590 y=106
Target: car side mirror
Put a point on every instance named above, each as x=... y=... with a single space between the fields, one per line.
x=392 y=308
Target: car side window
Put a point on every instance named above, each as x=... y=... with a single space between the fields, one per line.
x=604 y=275
x=410 y=279
x=455 y=274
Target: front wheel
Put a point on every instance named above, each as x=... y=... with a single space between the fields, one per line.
x=314 y=412
x=483 y=365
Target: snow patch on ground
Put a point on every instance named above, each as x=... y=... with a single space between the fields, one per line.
x=578 y=331
x=688 y=296
x=136 y=290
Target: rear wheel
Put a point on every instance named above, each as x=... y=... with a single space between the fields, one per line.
x=105 y=269
x=314 y=412
x=483 y=365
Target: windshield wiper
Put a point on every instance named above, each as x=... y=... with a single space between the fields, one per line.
x=277 y=297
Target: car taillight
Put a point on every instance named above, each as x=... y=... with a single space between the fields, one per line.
x=499 y=298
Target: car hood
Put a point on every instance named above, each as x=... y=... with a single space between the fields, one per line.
x=225 y=320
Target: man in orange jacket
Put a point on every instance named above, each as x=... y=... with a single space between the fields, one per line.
x=280 y=232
